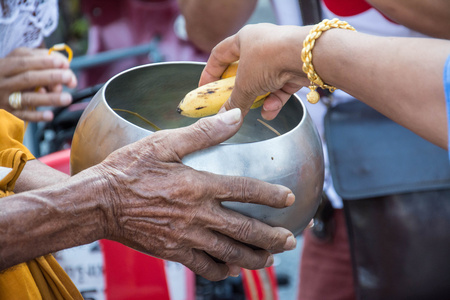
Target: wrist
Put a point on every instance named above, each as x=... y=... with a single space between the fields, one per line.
x=290 y=56
x=37 y=175
x=309 y=44
x=59 y=216
x=102 y=193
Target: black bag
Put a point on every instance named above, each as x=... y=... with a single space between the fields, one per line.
x=370 y=155
x=396 y=191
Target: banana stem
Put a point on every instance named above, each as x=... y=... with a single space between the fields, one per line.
x=268 y=126
x=139 y=116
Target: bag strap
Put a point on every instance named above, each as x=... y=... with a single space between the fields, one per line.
x=311 y=11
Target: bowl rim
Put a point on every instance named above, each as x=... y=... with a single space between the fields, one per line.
x=108 y=107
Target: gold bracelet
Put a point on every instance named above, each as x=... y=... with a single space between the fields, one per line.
x=308 y=45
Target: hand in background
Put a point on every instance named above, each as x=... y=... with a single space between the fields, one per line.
x=39 y=77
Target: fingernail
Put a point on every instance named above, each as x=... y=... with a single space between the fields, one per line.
x=269 y=261
x=74 y=81
x=65 y=99
x=291 y=243
x=272 y=105
x=231 y=117
x=66 y=76
x=234 y=271
x=222 y=110
x=47 y=115
x=290 y=199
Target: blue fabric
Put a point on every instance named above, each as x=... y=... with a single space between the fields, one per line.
x=447 y=96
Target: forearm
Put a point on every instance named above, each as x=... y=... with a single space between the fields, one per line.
x=42 y=221
x=381 y=72
x=209 y=22
x=428 y=17
x=36 y=175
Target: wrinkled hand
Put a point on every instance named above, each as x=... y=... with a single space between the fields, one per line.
x=24 y=70
x=269 y=61
x=166 y=209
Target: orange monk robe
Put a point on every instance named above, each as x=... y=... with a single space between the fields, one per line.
x=42 y=277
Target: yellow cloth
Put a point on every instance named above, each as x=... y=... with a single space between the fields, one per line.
x=43 y=277
x=11 y=133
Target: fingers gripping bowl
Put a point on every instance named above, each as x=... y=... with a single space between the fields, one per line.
x=284 y=151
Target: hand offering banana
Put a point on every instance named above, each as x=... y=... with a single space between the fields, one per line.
x=208 y=99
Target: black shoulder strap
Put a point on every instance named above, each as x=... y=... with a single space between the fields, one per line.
x=311 y=11
x=312 y=14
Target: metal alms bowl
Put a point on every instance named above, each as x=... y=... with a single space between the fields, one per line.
x=293 y=159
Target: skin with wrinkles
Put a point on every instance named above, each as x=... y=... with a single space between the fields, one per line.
x=40 y=78
x=144 y=197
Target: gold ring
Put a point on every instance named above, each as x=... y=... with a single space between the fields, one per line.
x=15 y=100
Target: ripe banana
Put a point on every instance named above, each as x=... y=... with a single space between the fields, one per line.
x=208 y=99
x=231 y=70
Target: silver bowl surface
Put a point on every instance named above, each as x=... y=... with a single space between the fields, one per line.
x=293 y=159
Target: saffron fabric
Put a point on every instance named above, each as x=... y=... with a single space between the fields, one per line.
x=42 y=277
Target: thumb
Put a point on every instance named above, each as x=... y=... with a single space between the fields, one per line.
x=242 y=96
x=238 y=100
x=208 y=132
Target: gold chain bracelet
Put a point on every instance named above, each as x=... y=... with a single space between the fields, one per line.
x=308 y=45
